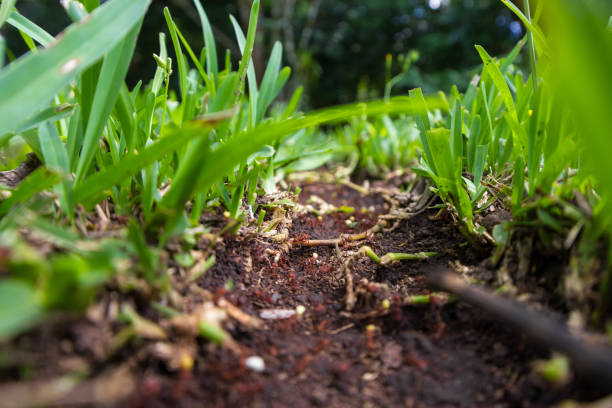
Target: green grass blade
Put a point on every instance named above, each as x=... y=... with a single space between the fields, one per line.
x=266 y=92
x=532 y=50
x=51 y=114
x=511 y=57
x=2 y=50
x=180 y=58
x=41 y=179
x=213 y=165
x=247 y=48
x=24 y=25
x=212 y=66
x=30 y=83
x=125 y=112
x=56 y=159
x=473 y=141
x=5 y=10
x=457 y=137
x=538 y=35
x=112 y=75
x=75 y=10
x=19 y=308
x=499 y=81
x=293 y=102
x=518 y=183
x=480 y=160
x=98 y=185
x=251 y=78
x=424 y=126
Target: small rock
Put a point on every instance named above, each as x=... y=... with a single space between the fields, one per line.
x=276 y=314
x=255 y=363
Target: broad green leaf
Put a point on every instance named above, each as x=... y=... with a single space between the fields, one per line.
x=30 y=83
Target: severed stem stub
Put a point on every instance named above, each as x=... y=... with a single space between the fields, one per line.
x=591 y=361
x=12 y=178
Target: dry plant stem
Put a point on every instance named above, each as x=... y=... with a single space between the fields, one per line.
x=350 y=287
x=12 y=178
x=344 y=237
x=589 y=361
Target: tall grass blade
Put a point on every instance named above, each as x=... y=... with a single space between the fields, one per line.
x=30 y=83
x=30 y=28
x=212 y=65
x=112 y=75
x=6 y=7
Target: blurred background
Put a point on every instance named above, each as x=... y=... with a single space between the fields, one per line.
x=339 y=50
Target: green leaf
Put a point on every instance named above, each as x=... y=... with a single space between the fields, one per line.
x=75 y=10
x=457 y=136
x=30 y=29
x=19 y=308
x=518 y=183
x=424 y=126
x=95 y=186
x=5 y=10
x=56 y=159
x=213 y=165
x=180 y=58
x=212 y=67
x=499 y=81
x=268 y=83
x=247 y=47
x=538 y=35
x=40 y=179
x=30 y=83
x=252 y=79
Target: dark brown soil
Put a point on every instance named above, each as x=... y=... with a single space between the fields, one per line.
x=438 y=354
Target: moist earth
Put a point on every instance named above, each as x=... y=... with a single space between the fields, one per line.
x=389 y=350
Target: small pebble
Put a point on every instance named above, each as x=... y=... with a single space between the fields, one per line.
x=255 y=363
x=276 y=314
x=299 y=310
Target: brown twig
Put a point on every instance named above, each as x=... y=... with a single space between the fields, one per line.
x=12 y=178
x=590 y=361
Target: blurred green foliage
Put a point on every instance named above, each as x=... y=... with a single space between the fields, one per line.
x=336 y=48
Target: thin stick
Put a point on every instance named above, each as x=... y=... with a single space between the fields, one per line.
x=590 y=361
